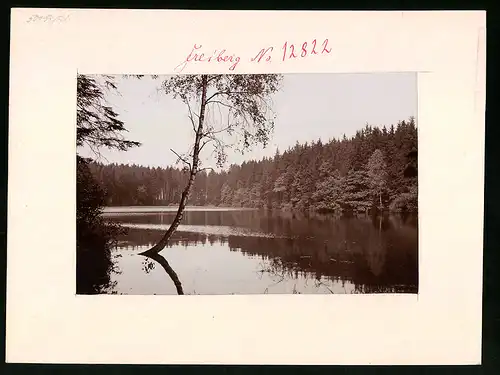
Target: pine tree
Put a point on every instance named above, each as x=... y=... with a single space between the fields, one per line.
x=378 y=175
x=356 y=194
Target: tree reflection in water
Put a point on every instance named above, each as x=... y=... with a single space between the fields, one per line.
x=168 y=269
x=377 y=255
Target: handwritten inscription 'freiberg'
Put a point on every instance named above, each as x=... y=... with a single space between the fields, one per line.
x=288 y=52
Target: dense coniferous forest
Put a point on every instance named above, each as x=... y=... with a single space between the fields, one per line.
x=376 y=169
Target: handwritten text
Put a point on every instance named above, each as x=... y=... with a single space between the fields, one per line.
x=219 y=56
x=288 y=51
x=47 y=19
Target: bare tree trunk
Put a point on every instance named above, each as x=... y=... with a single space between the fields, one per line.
x=192 y=174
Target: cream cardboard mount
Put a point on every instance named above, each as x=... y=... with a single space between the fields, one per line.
x=48 y=323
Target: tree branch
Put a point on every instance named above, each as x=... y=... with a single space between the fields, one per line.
x=214 y=77
x=191 y=115
x=227 y=93
x=213 y=132
x=213 y=96
x=182 y=159
x=205 y=143
x=222 y=103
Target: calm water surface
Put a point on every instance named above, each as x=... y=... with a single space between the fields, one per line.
x=233 y=251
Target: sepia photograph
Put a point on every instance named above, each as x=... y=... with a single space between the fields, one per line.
x=247 y=184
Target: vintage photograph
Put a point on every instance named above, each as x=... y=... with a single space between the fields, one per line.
x=247 y=184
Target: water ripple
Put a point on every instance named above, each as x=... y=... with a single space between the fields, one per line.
x=210 y=229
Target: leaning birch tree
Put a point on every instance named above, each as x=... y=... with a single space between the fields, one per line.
x=225 y=112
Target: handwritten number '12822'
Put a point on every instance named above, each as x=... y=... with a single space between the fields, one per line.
x=290 y=52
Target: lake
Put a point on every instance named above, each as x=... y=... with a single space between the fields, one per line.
x=246 y=251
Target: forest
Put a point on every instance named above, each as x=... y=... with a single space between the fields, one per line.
x=374 y=170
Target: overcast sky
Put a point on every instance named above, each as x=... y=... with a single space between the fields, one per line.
x=309 y=107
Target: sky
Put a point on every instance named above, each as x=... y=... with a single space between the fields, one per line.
x=308 y=107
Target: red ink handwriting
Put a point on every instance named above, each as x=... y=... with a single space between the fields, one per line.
x=290 y=52
x=263 y=52
x=218 y=56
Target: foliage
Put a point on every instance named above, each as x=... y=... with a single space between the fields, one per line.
x=356 y=191
x=234 y=110
x=97 y=123
x=340 y=175
x=95 y=236
x=406 y=202
x=328 y=194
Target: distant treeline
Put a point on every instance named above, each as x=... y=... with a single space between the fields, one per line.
x=374 y=170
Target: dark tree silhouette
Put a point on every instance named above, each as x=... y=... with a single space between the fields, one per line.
x=97 y=126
